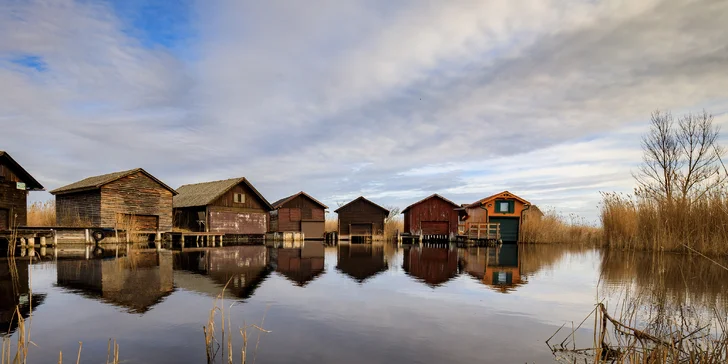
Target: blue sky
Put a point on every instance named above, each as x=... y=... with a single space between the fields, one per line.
x=392 y=100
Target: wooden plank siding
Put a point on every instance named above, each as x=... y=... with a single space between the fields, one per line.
x=361 y=212
x=297 y=213
x=484 y=210
x=79 y=208
x=431 y=216
x=12 y=202
x=230 y=217
x=136 y=194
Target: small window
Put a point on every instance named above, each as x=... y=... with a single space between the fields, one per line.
x=239 y=198
x=504 y=206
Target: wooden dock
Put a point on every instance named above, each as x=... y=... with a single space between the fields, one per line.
x=198 y=239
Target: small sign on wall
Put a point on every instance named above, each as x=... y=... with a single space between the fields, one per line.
x=20 y=185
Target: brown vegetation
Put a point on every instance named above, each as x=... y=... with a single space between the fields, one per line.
x=553 y=227
x=42 y=213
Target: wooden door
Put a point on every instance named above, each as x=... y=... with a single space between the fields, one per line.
x=145 y=222
x=360 y=229
x=435 y=228
x=312 y=229
x=508 y=228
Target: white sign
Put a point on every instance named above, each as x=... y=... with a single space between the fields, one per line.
x=20 y=186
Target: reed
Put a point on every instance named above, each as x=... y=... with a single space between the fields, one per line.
x=553 y=227
x=331 y=225
x=42 y=213
x=637 y=222
x=218 y=334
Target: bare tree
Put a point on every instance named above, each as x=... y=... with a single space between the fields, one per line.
x=393 y=214
x=680 y=160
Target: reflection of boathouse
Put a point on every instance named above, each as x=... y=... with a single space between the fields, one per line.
x=361 y=262
x=498 y=267
x=241 y=268
x=434 y=266
x=15 y=293
x=300 y=265
x=137 y=282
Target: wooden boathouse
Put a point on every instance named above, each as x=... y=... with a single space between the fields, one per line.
x=131 y=200
x=434 y=217
x=503 y=211
x=299 y=213
x=361 y=218
x=230 y=207
x=15 y=182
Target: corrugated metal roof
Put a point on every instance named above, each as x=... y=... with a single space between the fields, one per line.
x=205 y=193
x=281 y=202
x=95 y=182
x=30 y=182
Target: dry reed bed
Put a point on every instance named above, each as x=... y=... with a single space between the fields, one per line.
x=638 y=223
x=553 y=227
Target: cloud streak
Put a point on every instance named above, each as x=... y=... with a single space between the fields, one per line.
x=392 y=100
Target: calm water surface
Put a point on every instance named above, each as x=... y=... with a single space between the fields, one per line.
x=346 y=304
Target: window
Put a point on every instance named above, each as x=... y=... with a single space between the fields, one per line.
x=504 y=206
x=239 y=198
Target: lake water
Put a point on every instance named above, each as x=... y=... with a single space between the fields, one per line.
x=345 y=304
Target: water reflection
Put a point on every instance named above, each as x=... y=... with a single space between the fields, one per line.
x=300 y=265
x=433 y=266
x=361 y=261
x=666 y=278
x=496 y=267
x=241 y=268
x=137 y=282
x=15 y=293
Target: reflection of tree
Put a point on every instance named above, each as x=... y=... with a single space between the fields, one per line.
x=434 y=266
x=15 y=294
x=241 y=268
x=137 y=282
x=361 y=261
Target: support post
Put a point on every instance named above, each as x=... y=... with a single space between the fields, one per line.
x=85 y=231
x=55 y=237
x=42 y=241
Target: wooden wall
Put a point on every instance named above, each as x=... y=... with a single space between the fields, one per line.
x=229 y=217
x=359 y=212
x=430 y=210
x=79 y=208
x=7 y=174
x=12 y=201
x=290 y=215
x=136 y=194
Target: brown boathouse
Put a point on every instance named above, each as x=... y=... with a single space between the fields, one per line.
x=361 y=218
x=231 y=206
x=299 y=213
x=434 y=216
x=503 y=208
x=15 y=183
x=132 y=199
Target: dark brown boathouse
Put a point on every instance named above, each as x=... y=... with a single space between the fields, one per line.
x=15 y=183
x=434 y=216
x=299 y=213
x=132 y=199
x=231 y=206
x=361 y=218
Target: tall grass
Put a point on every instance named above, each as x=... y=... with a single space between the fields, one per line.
x=42 y=213
x=331 y=225
x=633 y=222
x=553 y=227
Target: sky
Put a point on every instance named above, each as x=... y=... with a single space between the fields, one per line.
x=393 y=100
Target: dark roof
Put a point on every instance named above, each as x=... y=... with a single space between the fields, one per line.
x=30 y=182
x=205 y=193
x=429 y=197
x=492 y=197
x=361 y=198
x=278 y=204
x=96 y=182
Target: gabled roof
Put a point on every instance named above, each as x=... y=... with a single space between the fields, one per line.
x=278 y=204
x=497 y=195
x=429 y=197
x=205 y=193
x=30 y=182
x=96 y=182
x=361 y=198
